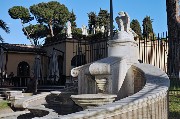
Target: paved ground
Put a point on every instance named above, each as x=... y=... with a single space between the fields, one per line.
x=6 y=110
x=39 y=112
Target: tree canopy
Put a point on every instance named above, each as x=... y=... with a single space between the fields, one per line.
x=36 y=32
x=147 y=26
x=72 y=19
x=102 y=19
x=4 y=27
x=50 y=13
x=92 y=22
x=51 y=18
x=20 y=12
x=135 y=26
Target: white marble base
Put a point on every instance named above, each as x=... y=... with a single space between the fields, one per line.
x=92 y=100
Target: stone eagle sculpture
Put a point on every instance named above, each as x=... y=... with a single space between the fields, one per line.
x=123 y=21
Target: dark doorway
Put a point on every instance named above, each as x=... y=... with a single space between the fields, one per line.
x=23 y=69
x=23 y=72
x=62 y=78
x=60 y=64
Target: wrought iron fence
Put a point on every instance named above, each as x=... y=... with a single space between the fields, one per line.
x=86 y=51
x=154 y=50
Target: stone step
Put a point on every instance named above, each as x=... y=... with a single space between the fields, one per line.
x=2 y=94
x=2 y=98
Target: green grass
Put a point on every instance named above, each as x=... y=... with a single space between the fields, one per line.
x=3 y=104
x=174 y=106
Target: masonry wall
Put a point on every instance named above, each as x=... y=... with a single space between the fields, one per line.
x=14 y=58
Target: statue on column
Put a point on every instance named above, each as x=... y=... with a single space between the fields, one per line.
x=69 y=31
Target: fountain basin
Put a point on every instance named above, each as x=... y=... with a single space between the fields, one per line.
x=92 y=100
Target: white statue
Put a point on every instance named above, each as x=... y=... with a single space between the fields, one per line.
x=93 y=29
x=84 y=30
x=102 y=29
x=69 y=31
x=98 y=29
x=123 y=21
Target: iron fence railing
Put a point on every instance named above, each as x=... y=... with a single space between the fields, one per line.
x=24 y=81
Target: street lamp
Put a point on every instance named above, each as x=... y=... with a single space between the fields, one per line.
x=111 y=20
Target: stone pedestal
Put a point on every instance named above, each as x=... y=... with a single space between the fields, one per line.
x=13 y=95
x=124 y=45
x=92 y=100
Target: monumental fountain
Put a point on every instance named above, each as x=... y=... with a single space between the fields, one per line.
x=140 y=90
x=101 y=82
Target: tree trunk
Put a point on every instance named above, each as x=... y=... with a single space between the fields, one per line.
x=51 y=29
x=27 y=33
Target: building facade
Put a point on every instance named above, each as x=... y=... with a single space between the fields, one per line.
x=19 y=58
x=75 y=52
x=17 y=63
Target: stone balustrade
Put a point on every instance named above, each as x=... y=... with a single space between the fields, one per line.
x=29 y=101
x=150 y=102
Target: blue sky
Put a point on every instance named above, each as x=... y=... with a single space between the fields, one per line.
x=137 y=9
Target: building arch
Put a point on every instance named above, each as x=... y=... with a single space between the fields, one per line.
x=78 y=60
x=23 y=69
